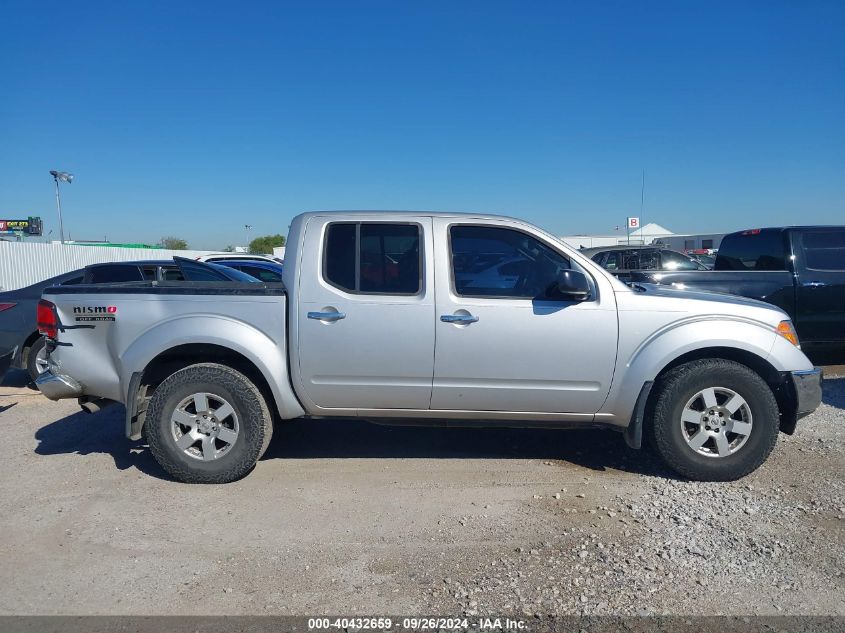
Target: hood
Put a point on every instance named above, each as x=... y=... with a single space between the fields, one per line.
x=660 y=297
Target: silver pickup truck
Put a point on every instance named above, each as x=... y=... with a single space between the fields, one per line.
x=428 y=318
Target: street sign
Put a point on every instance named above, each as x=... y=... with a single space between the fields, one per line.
x=30 y=226
x=633 y=223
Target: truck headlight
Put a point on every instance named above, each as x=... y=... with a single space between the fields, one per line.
x=787 y=331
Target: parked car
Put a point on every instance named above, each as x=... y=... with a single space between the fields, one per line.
x=800 y=269
x=158 y=270
x=263 y=271
x=218 y=258
x=20 y=342
x=204 y=368
x=626 y=261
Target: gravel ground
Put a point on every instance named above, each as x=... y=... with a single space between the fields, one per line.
x=343 y=517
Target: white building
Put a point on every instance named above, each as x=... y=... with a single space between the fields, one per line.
x=651 y=233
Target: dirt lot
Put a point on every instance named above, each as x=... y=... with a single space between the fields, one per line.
x=344 y=517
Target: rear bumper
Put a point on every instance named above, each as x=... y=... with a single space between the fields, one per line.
x=58 y=386
x=808 y=390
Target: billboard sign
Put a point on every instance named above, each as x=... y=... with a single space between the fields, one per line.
x=30 y=226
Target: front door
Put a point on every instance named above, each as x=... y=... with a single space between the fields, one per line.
x=365 y=325
x=503 y=342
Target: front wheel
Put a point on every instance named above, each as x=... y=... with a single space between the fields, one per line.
x=207 y=423
x=714 y=420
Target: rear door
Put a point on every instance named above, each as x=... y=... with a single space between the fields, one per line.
x=820 y=291
x=365 y=321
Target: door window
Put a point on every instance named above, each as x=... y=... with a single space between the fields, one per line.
x=825 y=250
x=113 y=274
x=264 y=274
x=373 y=258
x=522 y=267
x=670 y=260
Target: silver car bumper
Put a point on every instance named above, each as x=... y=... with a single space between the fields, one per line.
x=58 y=386
x=808 y=390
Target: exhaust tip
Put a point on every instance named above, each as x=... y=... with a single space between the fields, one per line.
x=95 y=405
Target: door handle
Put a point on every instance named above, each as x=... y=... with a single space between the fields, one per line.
x=458 y=318
x=814 y=284
x=327 y=316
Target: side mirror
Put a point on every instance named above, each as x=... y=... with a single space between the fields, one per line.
x=572 y=285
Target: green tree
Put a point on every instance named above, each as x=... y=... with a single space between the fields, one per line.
x=266 y=243
x=229 y=249
x=174 y=243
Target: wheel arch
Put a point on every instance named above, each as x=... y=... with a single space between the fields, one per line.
x=142 y=383
x=23 y=350
x=776 y=380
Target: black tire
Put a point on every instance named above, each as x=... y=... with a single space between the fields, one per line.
x=32 y=353
x=250 y=408
x=678 y=386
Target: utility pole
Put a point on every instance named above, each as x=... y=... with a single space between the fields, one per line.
x=64 y=177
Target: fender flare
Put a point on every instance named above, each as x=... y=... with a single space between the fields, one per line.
x=268 y=356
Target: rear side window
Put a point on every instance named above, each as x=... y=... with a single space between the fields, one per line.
x=752 y=250
x=112 y=274
x=373 y=258
x=172 y=274
x=824 y=250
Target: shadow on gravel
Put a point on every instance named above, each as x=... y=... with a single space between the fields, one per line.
x=833 y=392
x=598 y=450
x=84 y=434
x=594 y=449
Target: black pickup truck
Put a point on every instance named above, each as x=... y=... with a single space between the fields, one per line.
x=800 y=269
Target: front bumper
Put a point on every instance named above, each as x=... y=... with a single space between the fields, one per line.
x=808 y=390
x=58 y=386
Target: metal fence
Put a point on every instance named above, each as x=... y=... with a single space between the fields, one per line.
x=25 y=263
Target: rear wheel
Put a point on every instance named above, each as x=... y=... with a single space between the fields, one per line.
x=714 y=420
x=207 y=424
x=36 y=358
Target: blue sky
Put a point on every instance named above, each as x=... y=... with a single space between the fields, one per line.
x=191 y=119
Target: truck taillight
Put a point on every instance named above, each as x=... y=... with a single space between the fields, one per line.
x=48 y=322
x=6 y=306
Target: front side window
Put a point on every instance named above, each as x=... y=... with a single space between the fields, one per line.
x=824 y=250
x=522 y=268
x=373 y=258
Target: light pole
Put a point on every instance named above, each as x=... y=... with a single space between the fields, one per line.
x=64 y=177
x=248 y=228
